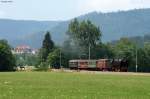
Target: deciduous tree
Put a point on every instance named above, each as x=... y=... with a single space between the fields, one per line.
x=7 y=60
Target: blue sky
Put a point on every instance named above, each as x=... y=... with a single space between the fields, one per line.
x=63 y=9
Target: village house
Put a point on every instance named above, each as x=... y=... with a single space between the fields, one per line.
x=23 y=49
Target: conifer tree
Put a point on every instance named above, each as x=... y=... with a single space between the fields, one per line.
x=47 y=46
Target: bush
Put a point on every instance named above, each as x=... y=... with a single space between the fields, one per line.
x=43 y=67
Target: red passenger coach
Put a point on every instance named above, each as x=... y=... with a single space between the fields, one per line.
x=82 y=64
x=101 y=64
x=104 y=64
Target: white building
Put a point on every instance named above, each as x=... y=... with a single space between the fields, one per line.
x=23 y=49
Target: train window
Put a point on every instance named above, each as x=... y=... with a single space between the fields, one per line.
x=92 y=64
x=73 y=64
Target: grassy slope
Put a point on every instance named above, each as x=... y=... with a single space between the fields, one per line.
x=46 y=85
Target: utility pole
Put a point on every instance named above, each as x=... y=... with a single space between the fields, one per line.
x=89 y=51
x=60 y=59
x=136 y=59
x=89 y=47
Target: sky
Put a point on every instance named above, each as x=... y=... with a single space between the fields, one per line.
x=63 y=9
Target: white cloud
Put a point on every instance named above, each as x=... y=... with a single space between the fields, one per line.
x=111 y=5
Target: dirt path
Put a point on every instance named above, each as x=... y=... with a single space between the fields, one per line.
x=100 y=72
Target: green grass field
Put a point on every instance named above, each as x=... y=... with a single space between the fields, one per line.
x=50 y=85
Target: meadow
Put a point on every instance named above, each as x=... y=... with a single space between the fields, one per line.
x=62 y=85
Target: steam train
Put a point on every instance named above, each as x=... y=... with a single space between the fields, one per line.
x=117 y=65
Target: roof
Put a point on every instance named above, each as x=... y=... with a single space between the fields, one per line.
x=82 y=60
x=23 y=47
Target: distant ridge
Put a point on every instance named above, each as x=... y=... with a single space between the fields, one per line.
x=113 y=25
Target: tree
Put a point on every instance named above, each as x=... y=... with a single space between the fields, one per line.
x=125 y=49
x=26 y=59
x=47 y=47
x=84 y=34
x=101 y=51
x=144 y=58
x=7 y=60
x=54 y=59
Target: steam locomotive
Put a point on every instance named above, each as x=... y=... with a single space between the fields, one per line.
x=117 y=65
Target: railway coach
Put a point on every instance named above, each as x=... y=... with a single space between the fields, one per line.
x=118 y=65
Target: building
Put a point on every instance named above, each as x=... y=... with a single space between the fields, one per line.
x=23 y=49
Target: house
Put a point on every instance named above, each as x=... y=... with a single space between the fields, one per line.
x=24 y=49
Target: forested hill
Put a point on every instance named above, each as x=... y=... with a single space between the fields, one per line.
x=123 y=23
x=117 y=24
x=18 y=28
x=113 y=26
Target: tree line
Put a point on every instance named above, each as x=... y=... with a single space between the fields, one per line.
x=83 y=42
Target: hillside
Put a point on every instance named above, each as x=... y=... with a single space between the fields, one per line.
x=15 y=31
x=113 y=26
x=117 y=24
